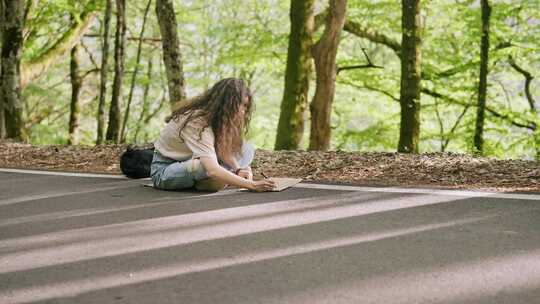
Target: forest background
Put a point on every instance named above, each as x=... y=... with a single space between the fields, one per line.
x=63 y=45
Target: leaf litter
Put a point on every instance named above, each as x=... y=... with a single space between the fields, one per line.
x=432 y=170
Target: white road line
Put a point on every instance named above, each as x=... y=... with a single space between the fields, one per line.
x=534 y=197
x=55 y=193
x=58 y=173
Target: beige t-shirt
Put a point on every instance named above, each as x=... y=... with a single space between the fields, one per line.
x=186 y=143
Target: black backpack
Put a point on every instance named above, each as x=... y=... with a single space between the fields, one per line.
x=135 y=163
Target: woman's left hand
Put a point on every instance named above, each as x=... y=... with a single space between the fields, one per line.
x=246 y=173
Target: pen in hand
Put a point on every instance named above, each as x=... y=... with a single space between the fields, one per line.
x=270 y=180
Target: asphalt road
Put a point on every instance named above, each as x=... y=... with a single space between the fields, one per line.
x=80 y=239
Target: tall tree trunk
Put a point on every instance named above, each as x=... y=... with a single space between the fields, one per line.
x=482 y=87
x=411 y=57
x=75 y=108
x=10 y=91
x=135 y=72
x=3 y=132
x=103 y=74
x=171 y=50
x=295 y=95
x=324 y=53
x=145 y=104
x=113 y=129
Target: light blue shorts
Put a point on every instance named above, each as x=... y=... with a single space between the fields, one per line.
x=170 y=174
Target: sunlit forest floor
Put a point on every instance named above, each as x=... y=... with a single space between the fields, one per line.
x=436 y=170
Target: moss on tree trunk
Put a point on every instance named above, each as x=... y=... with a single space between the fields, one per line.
x=113 y=129
x=37 y=66
x=75 y=106
x=10 y=79
x=101 y=117
x=482 y=86
x=410 y=76
x=295 y=96
x=172 y=57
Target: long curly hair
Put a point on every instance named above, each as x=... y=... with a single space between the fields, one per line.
x=221 y=108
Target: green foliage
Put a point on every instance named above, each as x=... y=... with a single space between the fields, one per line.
x=248 y=39
x=42 y=134
x=450 y=67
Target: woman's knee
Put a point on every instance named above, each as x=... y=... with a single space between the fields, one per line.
x=175 y=176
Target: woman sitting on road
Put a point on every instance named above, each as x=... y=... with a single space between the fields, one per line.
x=202 y=144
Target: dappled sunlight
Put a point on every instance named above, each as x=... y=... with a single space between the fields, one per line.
x=170 y=222
x=179 y=221
x=79 y=286
x=93 y=211
x=117 y=239
x=463 y=282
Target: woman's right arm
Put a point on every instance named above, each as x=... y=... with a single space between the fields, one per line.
x=215 y=171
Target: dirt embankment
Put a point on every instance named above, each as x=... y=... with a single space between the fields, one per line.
x=440 y=170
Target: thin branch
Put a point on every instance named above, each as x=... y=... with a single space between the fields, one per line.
x=368 y=87
x=470 y=64
x=441 y=125
x=64 y=112
x=372 y=35
x=157 y=110
x=131 y=38
x=365 y=32
x=454 y=127
x=528 y=78
x=96 y=70
x=87 y=51
x=529 y=124
x=367 y=56
x=28 y=30
x=506 y=95
x=363 y=66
